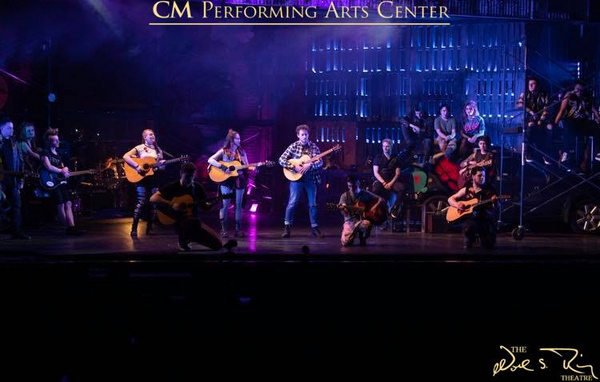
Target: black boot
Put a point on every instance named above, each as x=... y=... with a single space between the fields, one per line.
x=134 y=226
x=224 y=228
x=316 y=232
x=286 y=231
x=238 y=229
x=150 y=227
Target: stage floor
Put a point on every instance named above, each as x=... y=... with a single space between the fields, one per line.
x=110 y=236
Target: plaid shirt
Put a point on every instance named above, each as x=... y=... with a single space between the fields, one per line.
x=295 y=151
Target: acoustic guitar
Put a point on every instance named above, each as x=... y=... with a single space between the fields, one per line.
x=363 y=211
x=50 y=180
x=483 y=163
x=216 y=174
x=149 y=165
x=453 y=214
x=168 y=216
x=292 y=175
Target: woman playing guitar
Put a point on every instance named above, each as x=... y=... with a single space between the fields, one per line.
x=53 y=163
x=231 y=151
x=147 y=186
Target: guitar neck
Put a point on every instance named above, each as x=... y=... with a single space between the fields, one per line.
x=171 y=161
x=324 y=153
x=75 y=173
x=244 y=166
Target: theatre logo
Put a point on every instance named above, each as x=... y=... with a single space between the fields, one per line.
x=564 y=364
x=194 y=13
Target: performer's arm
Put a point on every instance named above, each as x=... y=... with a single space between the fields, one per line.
x=453 y=200
x=283 y=159
x=127 y=158
x=49 y=167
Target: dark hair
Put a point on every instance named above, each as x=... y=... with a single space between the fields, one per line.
x=485 y=138
x=476 y=169
x=302 y=127
x=352 y=179
x=187 y=168
x=532 y=78
x=49 y=133
x=229 y=142
x=4 y=119
x=444 y=105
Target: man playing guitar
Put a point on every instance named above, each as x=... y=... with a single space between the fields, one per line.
x=187 y=225
x=354 y=225
x=482 y=222
x=309 y=181
x=147 y=186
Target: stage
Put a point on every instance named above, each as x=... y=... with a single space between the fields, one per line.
x=109 y=238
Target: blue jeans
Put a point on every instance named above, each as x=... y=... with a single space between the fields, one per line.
x=311 y=193
x=239 y=196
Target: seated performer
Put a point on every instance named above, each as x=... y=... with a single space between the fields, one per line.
x=386 y=169
x=52 y=162
x=418 y=133
x=231 y=151
x=482 y=221
x=445 y=128
x=354 y=223
x=481 y=157
x=473 y=127
x=538 y=128
x=187 y=225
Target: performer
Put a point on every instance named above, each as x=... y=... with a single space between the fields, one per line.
x=354 y=224
x=147 y=186
x=52 y=162
x=27 y=145
x=482 y=222
x=538 y=127
x=386 y=169
x=473 y=128
x=231 y=151
x=445 y=128
x=310 y=180
x=11 y=159
x=418 y=133
x=576 y=112
x=480 y=158
x=188 y=226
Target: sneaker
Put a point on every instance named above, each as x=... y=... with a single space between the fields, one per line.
x=564 y=157
x=597 y=157
x=184 y=246
x=20 y=236
x=546 y=161
x=286 y=232
x=224 y=233
x=239 y=234
x=528 y=158
x=316 y=232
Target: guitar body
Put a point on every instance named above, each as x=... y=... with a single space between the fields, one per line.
x=453 y=214
x=168 y=216
x=377 y=217
x=147 y=164
x=293 y=175
x=217 y=175
x=50 y=180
